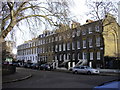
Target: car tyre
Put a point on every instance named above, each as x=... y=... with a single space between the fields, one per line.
x=89 y=73
x=76 y=72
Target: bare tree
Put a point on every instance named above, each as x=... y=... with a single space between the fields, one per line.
x=99 y=9
x=33 y=13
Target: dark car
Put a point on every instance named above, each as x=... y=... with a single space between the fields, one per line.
x=35 y=66
x=45 y=67
x=16 y=64
x=27 y=65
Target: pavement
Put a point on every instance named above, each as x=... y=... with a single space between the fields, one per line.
x=19 y=76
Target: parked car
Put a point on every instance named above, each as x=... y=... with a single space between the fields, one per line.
x=45 y=67
x=16 y=64
x=27 y=65
x=85 y=70
x=35 y=66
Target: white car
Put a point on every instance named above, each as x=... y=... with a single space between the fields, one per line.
x=85 y=69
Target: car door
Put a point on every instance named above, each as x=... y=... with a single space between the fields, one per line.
x=82 y=69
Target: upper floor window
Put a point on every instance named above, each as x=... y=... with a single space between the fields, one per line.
x=64 y=47
x=73 y=45
x=68 y=46
x=64 y=37
x=68 y=35
x=43 y=41
x=56 y=38
x=97 y=28
x=78 y=32
x=60 y=38
x=90 y=30
x=90 y=42
x=56 y=48
x=97 y=41
x=56 y=57
x=52 y=39
x=60 y=47
x=84 y=32
x=52 y=48
x=78 y=44
x=43 y=50
x=49 y=40
x=78 y=56
x=84 y=43
x=73 y=34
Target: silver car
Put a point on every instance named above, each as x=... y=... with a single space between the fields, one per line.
x=85 y=69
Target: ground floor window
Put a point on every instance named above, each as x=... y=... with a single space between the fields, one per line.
x=60 y=57
x=84 y=54
x=64 y=57
x=91 y=55
x=73 y=56
x=68 y=56
x=78 y=56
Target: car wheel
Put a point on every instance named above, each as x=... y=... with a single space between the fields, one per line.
x=89 y=73
x=76 y=72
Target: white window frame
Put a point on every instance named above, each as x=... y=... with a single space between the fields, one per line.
x=98 y=41
x=84 y=43
x=73 y=45
x=60 y=38
x=68 y=46
x=64 y=46
x=73 y=56
x=84 y=32
x=52 y=48
x=68 y=35
x=60 y=57
x=52 y=39
x=78 y=44
x=64 y=57
x=97 y=28
x=78 y=56
x=56 y=48
x=78 y=32
x=84 y=54
x=73 y=34
x=90 y=42
x=68 y=58
x=98 y=55
x=90 y=30
x=56 y=38
x=91 y=55
x=60 y=47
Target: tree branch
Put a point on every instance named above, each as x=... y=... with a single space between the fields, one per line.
x=33 y=16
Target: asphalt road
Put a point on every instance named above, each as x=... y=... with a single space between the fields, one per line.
x=54 y=79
